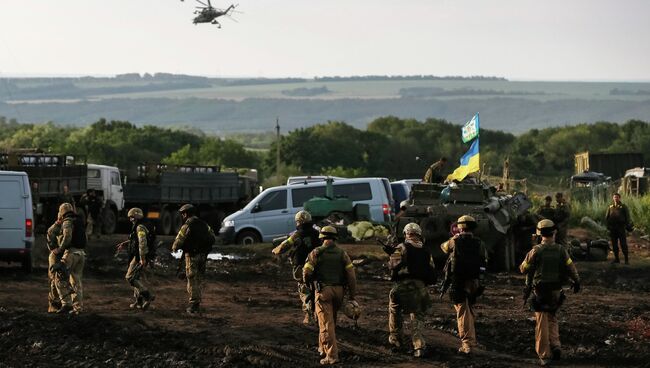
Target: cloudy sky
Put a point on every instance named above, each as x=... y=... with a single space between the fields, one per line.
x=517 y=39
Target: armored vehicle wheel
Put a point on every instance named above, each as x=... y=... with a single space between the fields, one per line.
x=109 y=221
x=165 y=222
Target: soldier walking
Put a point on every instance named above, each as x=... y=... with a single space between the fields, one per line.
x=140 y=254
x=195 y=238
x=330 y=268
x=466 y=263
x=68 y=273
x=561 y=219
x=618 y=221
x=544 y=266
x=412 y=270
x=300 y=243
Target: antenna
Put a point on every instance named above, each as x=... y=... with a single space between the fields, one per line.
x=277 y=143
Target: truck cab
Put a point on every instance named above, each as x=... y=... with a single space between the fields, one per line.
x=106 y=181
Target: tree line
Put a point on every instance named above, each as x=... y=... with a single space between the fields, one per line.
x=389 y=147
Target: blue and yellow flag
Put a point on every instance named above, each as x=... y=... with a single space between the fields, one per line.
x=469 y=163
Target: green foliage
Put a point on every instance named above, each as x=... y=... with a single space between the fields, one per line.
x=596 y=209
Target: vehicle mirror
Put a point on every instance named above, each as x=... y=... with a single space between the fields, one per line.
x=256 y=208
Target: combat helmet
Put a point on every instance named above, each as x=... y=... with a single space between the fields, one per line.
x=187 y=208
x=65 y=208
x=136 y=213
x=466 y=222
x=328 y=232
x=412 y=228
x=303 y=217
x=545 y=227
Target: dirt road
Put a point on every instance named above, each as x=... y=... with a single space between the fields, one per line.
x=252 y=318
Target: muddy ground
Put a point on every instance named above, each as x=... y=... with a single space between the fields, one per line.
x=251 y=317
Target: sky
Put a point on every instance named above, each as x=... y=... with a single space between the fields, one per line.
x=517 y=39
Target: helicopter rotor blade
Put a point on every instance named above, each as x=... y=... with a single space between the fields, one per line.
x=202 y=3
x=209 y=4
x=231 y=18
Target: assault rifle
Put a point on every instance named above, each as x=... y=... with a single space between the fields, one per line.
x=527 y=291
x=448 y=278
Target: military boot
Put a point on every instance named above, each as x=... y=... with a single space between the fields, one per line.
x=137 y=303
x=65 y=309
x=148 y=298
x=192 y=309
x=53 y=307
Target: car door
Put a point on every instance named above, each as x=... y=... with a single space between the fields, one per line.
x=272 y=216
x=117 y=194
x=12 y=212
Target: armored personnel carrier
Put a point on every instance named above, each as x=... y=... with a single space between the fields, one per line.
x=436 y=208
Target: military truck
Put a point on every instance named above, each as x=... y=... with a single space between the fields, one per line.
x=436 y=208
x=160 y=190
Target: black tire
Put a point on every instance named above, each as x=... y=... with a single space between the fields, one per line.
x=248 y=237
x=177 y=222
x=109 y=222
x=165 y=222
x=27 y=263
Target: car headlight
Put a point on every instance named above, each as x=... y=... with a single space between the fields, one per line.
x=228 y=223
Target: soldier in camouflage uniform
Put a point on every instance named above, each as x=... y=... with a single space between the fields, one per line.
x=331 y=269
x=69 y=272
x=434 y=172
x=561 y=219
x=138 y=255
x=411 y=267
x=546 y=211
x=195 y=238
x=300 y=243
x=53 y=262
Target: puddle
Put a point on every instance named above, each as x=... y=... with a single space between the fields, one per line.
x=216 y=256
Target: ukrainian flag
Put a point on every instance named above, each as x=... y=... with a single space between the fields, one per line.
x=469 y=163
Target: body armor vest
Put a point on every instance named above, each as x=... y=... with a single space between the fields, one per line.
x=467 y=259
x=330 y=269
x=308 y=242
x=548 y=265
x=78 y=231
x=199 y=237
x=418 y=264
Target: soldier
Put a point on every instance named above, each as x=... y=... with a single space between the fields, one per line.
x=546 y=211
x=412 y=270
x=330 y=268
x=466 y=264
x=93 y=206
x=69 y=272
x=434 y=172
x=618 y=221
x=139 y=256
x=53 y=263
x=561 y=219
x=195 y=238
x=301 y=242
x=66 y=197
x=545 y=267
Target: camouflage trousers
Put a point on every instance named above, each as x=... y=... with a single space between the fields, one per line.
x=53 y=299
x=195 y=272
x=407 y=297
x=134 y=275
x=328 y=302
x=305 y=294
x=70 y=286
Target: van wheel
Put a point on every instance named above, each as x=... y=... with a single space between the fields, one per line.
x=165 y=222
x=27 y=263
x=248 y=237
x=109 y=221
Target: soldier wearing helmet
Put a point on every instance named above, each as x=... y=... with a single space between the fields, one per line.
x=139 y=256
x=299 y=244
x=330 y=269
x=467 y=259
x=70 y=234
x=195 y=238
x=561 y=219
x=543 y=268
x=411 y=267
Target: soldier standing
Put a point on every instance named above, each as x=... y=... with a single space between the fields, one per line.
x=412 y=270
x=66 y=197
x=71 y=242
x=53 y=264
x=546 y=211
x=195 y=238
x=301 y=242
x=544 y=266
x=561 y=219
x=466 y=263
x=139 y=257
x=330 y=268
x=93 y=206
x=434 y=172
x=618 y=220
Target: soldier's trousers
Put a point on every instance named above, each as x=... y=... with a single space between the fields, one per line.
x=408 y=296
x=465 y=319
x=328 y=302
x=195 y=271
x=134 y=275
x=53 y=299
x=617 y=237
x=74 y=259
x=547 y=335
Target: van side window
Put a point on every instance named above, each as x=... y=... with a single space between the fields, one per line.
x=276 y=200
x=12 y=194
x=115 y=178
x=301 y=195
x=354 y=192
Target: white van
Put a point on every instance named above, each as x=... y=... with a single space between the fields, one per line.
x=271 y=213
x=16 y=219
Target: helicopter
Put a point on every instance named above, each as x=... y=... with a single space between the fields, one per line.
x=209 y=14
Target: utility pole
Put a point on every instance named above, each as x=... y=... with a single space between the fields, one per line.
x=277 y=147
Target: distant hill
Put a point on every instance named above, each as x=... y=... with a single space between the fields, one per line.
x=252 y=104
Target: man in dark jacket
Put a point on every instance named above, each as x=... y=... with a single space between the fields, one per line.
x=618 y=221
